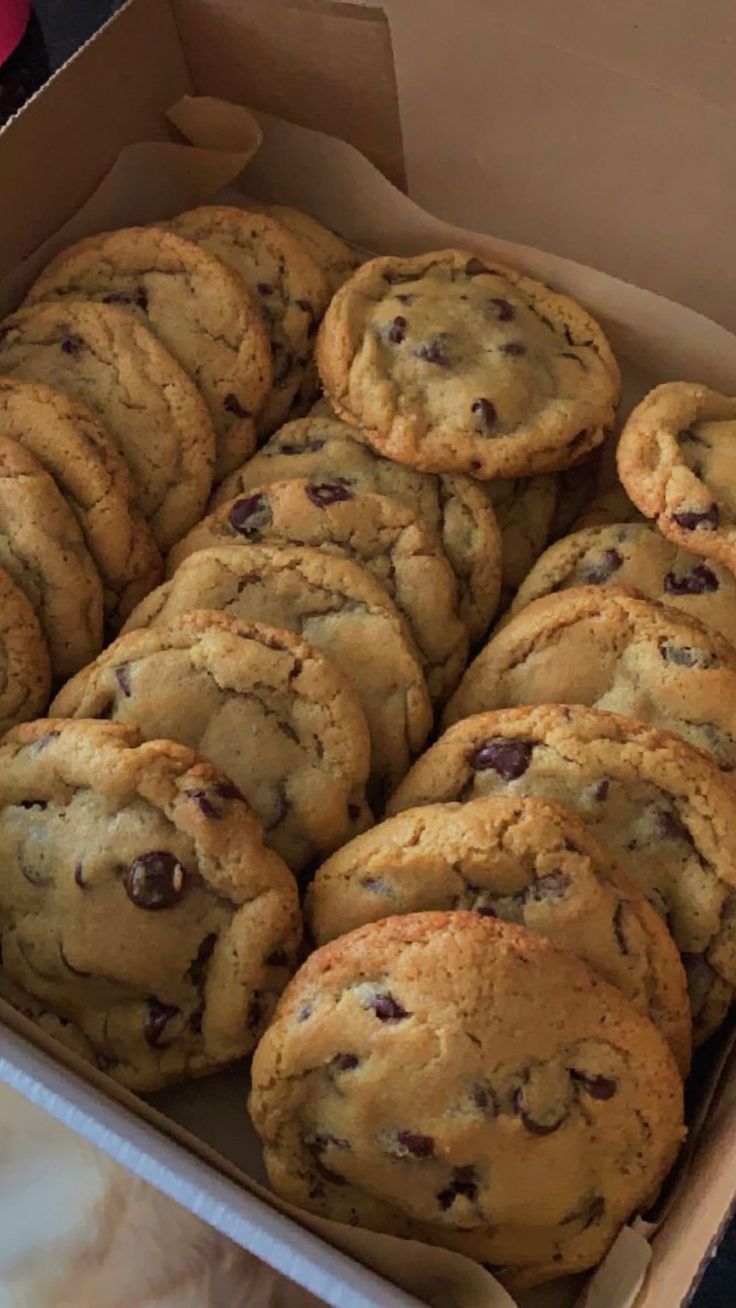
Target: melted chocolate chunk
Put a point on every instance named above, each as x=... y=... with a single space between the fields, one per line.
x=386 y=1008
x=137 y=298
x=264 y=288
x=158 y=1017
x=699 y=581
x=671 y=827
x=328 y=492
x=155 y=880
x=73 y=345
x=79 y=876
x=250 y=515
x=597 y=572
x=694 y=520
x=463 y=1185
x=474 y=267
x=33 y=803
x=515 y=348
x=598 y=1087
x=311 y=446
x=232 y=404
x=600 y=791
x=509 y=758
x=485 y=411
x=503 y=311
x=122 y=676
x=484 y=1098
x=418 y=1146
x=397 y=330
x=344 y=1062
x=202 y=957
x=317 y=1146
x=435 y=351
x=204 y=802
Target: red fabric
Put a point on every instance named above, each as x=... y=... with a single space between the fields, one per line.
x=14 y=15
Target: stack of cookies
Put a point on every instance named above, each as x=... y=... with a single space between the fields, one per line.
x=256 y=604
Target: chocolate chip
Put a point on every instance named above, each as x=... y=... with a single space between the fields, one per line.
x=687 y=657
x=514 y=348
x=311 y=446
x=699 y=581
x=317 y=1146
x=405 y=299
x=122 y=676
x=386 y=1008
x=264 y=288
x=33 y=803
x=598 y=1087
x=484 y=410
x=204 y=802
x=344 y=1062
x=597 y=572
x=474 y=267
x=72 y=345
x=328 y=492
x=693 y=520
x=397 y=330
x=158 y=1018
x=202 y=957
x=553 y=885
x=138 y=298
x=155 y=880
x=250 y=515
x=435 y=350
x=226 y=789
x=509 y=758
x=671 y=827
x=533 y=1126
x=417 y=1146
x=600 y=791
x=79 y=876
x=463 y=1185
x=503 y=310
x=375 y=886
x=618 y=929
x=484 y=910
x=304 y=1013
x=232 y=404
x=484 y=1098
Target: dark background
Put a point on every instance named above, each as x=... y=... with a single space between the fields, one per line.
x=58 y=28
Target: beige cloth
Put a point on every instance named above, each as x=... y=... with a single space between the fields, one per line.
x=78 y=1231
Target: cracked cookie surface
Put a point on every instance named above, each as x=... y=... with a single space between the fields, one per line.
x=332 y=603
x=143 y=920
x=635 y=556
x=199 y=310
x=662 y=809
x=521 y=860
x=677 y=460
x=376 y=532
x=268 y=709
x=452 y=363
x=25 y=667
x=65 y=439
x=336 y=258
x=286 y=283
x=608 y=649
x=454 y=508
x=43 y=550
x=108 y=360
x=454 y=1079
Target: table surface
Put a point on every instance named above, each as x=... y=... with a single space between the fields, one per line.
x=58 y=29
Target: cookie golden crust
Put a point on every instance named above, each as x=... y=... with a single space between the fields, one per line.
x=333 y=604
x=662 y=809
x=521 y=860
x=285 y=281
x=269 y=710
x=637 y=557
x=25 y=667
x=199 y=310
x=71 y=446
x=455 y=508
x=454 y=1079
x=138 y=902
x=43 y=550
x=452 y=363
x=374 y=531
x=677 y=461
x=607 y=648
x=105 y=358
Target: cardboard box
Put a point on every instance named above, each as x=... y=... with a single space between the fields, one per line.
x=605 y=133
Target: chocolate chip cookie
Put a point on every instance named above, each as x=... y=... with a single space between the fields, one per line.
x=663 y=809
x=332 y=603
x=374 y=531
x=336 y=258
x=635 y=556
x=138 y=901
x=454 y=1079
x=677 y=460
x=65 y=439
x=286 y=283
x=43 y=550
x=109 y=361
x=523 y=507
x=452 y=363
x=611 y=650
x=455 y=508
x=521 y=860
x=269 y=710
x=25 y=667
x=610 y=507
x=200 y=311
x=576 y=487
